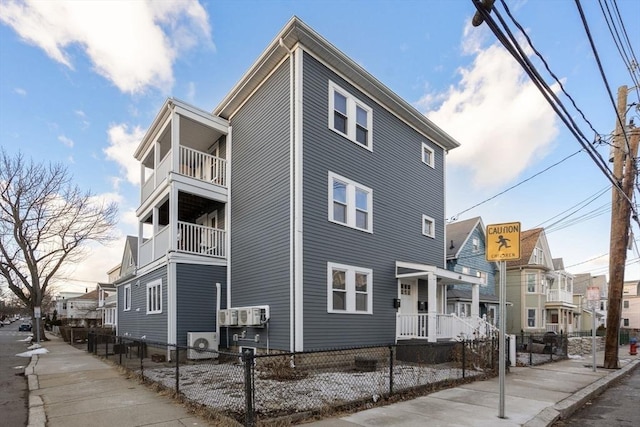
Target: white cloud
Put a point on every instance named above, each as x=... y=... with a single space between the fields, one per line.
x=20 y=91
x=500 y=119
x=131 y=43
x=122 y=145
x=67 y=142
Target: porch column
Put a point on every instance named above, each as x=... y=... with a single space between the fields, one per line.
x=475 y=300
x=432 y=309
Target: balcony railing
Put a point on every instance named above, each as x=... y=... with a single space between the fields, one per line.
x=448 y=326
x=192 y=163
x=559 y=295
x=202 y=240
x=202 y=166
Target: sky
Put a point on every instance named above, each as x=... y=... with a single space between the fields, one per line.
x=80 y=82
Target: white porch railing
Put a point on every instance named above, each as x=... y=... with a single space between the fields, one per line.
x=448 y=326
x=202 y=166
x=198 y=239
x=559 y=295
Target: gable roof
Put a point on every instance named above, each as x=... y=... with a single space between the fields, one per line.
x=458 y=233
x=93 y=295
x=528 y=241
x=296 y=33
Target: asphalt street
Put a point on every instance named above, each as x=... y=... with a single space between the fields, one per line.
x=14 y=391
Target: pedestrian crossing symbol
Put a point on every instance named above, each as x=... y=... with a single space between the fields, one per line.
x=503 y=242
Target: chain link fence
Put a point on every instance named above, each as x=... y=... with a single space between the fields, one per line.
x=536 y=349
x=251 y=388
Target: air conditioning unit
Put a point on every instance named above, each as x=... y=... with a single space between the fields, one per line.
x=228 y=317
x=202 y=345
x=253 y=316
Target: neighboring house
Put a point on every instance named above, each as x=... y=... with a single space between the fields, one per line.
x=581 y=283
x=308 y=207
x=466 y=253
x=630 y=317
x=107 y=299
x=559 y=305
x=539 y=289
x=61 y=302
x=83 y=310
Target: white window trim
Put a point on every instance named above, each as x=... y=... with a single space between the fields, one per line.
x=433 y=226
x=351 y=202
x=535 y=319
x=126 y=298
x=352 y=102
x=350 y=285
x=156 y=283
x=535 y=283
x=431 y=162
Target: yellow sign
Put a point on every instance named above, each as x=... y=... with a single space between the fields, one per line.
x=503 y=241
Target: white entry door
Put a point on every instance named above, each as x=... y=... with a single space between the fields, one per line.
x=408 y=297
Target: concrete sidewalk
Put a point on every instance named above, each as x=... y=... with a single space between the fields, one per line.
x=69 y=387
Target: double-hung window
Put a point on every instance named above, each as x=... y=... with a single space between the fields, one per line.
x=531 y=317
x=349 y=289
x=349 y=116
x=154 y=297
x=531 y=283
x=350 y=203
x=127 y=298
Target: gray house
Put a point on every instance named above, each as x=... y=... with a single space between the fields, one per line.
x=466 y=253
x=306 y=211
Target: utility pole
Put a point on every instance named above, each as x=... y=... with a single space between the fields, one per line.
x=624 y=171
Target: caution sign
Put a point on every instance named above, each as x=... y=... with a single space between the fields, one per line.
x=503 y=241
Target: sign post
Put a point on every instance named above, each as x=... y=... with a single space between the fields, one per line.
x=503 y=244
x=37 y=314
x=593 y=300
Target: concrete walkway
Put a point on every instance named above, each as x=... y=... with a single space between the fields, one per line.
x=69 y=387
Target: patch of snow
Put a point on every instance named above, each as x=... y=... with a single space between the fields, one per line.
x=34 y=346
x=33 y=352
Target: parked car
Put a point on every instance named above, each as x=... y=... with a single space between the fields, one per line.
x=25 y=327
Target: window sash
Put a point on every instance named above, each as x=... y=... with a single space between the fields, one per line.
x=350 y=203
x=350 y=117
x=127 y=298
x=428 y=226
x=349 y=289
x=154 y=297
x=428 y=155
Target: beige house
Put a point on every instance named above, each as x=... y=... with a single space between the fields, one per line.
x=538 y=288
x=630 y=318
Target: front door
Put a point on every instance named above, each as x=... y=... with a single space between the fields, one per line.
x=408 y=297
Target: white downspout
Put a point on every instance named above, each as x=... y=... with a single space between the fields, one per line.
x=217 y=311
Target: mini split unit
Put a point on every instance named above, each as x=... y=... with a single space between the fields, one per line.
x=244 y=316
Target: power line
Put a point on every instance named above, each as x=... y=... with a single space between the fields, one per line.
x=514 y=186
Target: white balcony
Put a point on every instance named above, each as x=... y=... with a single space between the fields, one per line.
x=559 y=295
x=191 y=239
x=197 y=165
x=448 y=327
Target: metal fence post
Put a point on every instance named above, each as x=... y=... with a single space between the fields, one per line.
x=247 y=359
x=106 y=351
x=141 y=353
x=530 y=350
x=463 y=357
x=120 y=348
x=390 y=370
x=177 y=370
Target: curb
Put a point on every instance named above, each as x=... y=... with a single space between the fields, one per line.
x=37 y=416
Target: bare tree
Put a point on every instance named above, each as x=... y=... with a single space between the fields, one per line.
x=46 y=222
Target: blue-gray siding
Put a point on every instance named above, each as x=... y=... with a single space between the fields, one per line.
x=475 y=261
x=196 y=298
x=404 y=188
x=260 y=203
x=136 y=322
